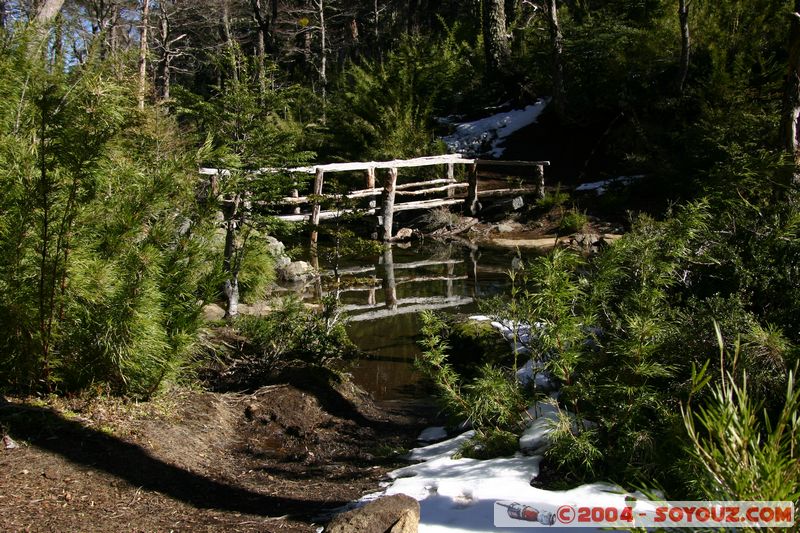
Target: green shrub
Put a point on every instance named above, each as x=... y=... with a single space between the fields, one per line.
x=492 y=402
x=553 y=199
x=572 y=221
x=104 y=254
x=290 y=332
x=746 y=454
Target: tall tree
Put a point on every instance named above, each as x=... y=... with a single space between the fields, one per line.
x=557 y=50
x=143 y=53
x=48 y=10
x=791 y=100
x=683 y=19
x=495 y=37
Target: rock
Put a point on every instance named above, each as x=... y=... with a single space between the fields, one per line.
x=274 y=246
x=504 y=228
x=296 y=271
x=391 y=514
x=277 y=250
x=9 y=444
x=213 y=312
x=404 y=234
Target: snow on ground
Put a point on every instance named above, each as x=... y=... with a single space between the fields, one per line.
x=599 y=187
x=487 y=134
x=467 y=495
x=459 y=495
x=432 y=434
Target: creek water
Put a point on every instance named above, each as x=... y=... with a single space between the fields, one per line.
x=382 y=296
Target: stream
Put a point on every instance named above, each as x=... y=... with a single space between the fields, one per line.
x=383 y=295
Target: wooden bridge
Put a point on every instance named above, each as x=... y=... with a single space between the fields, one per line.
x=392 y=194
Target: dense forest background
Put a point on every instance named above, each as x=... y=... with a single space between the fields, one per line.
x=109 y=246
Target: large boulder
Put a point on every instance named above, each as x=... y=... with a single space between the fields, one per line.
x=296 y=271
x=391 y=514
x=277 y=250
x=404 y=234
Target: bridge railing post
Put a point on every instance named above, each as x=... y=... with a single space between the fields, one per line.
x=473 y=206
x=319 y=177
x=371 y=185
x=539 y=179
x=387 y=203
x=451 y=175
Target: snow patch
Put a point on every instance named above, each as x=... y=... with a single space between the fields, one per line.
x=488 y=134
x=458 y=495
x=431 y=434
x=599 y=187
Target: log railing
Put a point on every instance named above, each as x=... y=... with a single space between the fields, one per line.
x=390 y=192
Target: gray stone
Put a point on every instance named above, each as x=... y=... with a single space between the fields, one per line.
x=296 y=271
x=213 y=312
x=274 y=246
x=504 y=228
x=404 y=234
x=390 y=514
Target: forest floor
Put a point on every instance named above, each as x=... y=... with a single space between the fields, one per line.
x=281 y=458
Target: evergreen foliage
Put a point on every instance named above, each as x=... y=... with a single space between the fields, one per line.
x=104 y=256
x=385 y=110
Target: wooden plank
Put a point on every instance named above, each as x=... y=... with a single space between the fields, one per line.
x=325 y=215
x=494 y=193
x=383 y=313
x=503 y=163
x=428 y=262
x=361 y=193
x=421 y=192
x=427 y=204
x=382 y=165
x=405 y=206
x=427 y=279
x=415 y=184
x=427 y=300
x=447 y=159
x=351 y=270
x=365 y=193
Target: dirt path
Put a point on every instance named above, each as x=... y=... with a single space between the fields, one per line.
x=279 y=459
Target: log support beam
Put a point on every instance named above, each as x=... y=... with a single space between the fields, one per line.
x=473 y=205
x=387 y=203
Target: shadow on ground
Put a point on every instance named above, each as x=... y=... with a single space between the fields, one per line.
x=48 y=430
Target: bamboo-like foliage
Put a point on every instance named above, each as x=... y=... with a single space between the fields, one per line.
x=103 y=245
x=746 y=454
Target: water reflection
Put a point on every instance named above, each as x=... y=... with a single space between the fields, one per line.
x=383 y=296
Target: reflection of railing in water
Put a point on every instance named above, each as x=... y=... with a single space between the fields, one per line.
x=388 y=282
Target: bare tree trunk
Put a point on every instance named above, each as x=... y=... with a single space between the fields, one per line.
x=683 y=19
x=323 y=62
x=230 y=266
x=261 y=45
x=226 y=30
x=164 y=71
x=495 y=39
x=48 y=10
x=791 y=99
x=376 y=20
x=413 y=24
x=143 y=53
x=557 y=49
